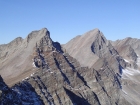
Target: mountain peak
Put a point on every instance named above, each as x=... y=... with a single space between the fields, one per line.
x=93 y=32
x=96 y=29
x=19 y=49
x=37 y=35
x=16 y=41
x=44 y=31
x=83 y=46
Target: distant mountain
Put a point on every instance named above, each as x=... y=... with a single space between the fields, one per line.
x=88 y=70
x=92 y=49
x=129 y=49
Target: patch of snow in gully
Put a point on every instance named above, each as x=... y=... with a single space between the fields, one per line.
x=33 y=64
x=126 y=60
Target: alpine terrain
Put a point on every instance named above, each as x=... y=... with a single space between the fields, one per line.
x=88 y=70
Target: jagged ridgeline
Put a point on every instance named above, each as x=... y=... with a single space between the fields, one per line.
x=38 y=71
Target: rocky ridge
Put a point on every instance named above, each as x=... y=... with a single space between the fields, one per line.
x=59 y=79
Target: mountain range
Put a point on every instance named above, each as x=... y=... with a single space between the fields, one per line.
x=87 y=70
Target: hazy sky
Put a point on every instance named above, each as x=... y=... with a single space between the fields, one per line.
x=66 y=19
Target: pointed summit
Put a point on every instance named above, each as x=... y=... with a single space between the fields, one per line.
x=85 y=48
x=38 y=34
x=92 y=46
x=22 y=54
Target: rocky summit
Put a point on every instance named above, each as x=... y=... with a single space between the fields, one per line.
x=88 y=70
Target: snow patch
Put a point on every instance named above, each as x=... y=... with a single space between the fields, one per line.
x=126 y=60
x=101 y=68
x=125 y=71
x=130 y=71
x=33 y=64
x=130 y=74
x=138 y=61
x=124 y=92
x=32 y=74
x=27 y=78
x=16 y=90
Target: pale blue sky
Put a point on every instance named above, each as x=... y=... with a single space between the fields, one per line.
x=66 y=19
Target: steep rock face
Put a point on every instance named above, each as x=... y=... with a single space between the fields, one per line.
x=83 y=44
x=19 y=56
x=91 y=47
